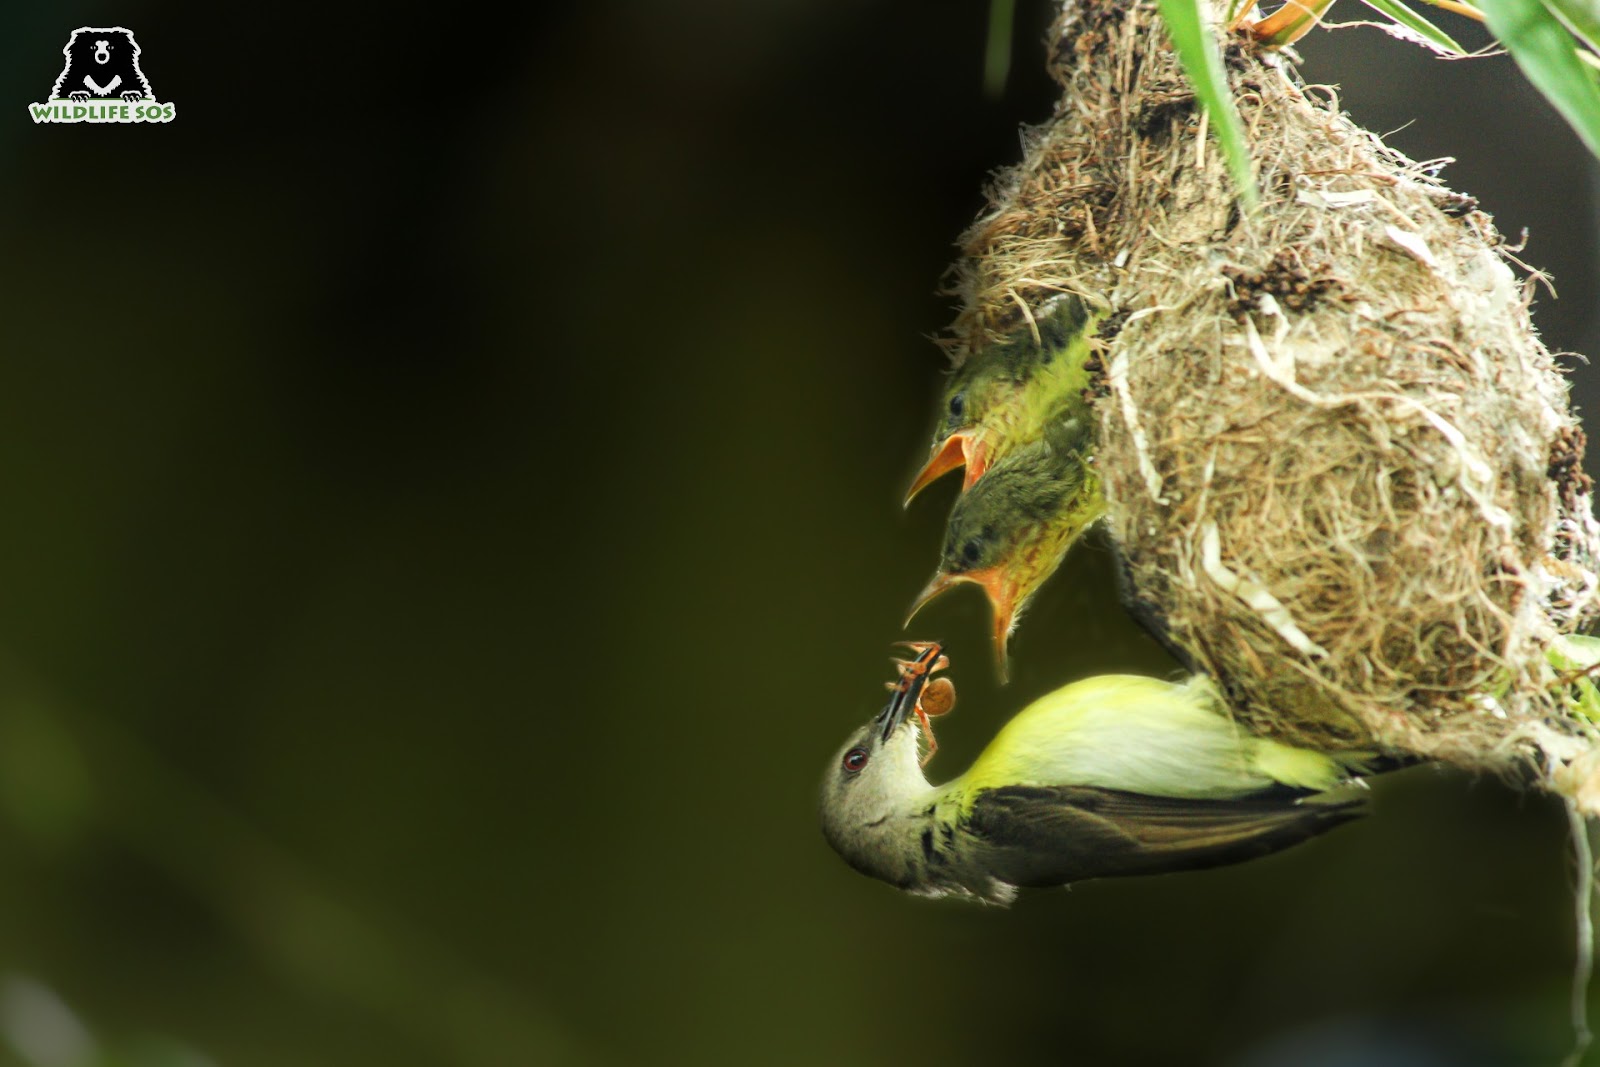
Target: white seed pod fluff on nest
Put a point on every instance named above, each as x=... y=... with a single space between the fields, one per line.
x=1336 y=454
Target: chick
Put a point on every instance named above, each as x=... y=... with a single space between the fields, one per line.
x=1010 y=531
x=1002 y=397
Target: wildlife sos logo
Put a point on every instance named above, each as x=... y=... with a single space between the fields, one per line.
x=102 y=82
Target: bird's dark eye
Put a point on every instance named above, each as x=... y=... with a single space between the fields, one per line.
x=972 y=550
x=855 y=759
x=958 y=405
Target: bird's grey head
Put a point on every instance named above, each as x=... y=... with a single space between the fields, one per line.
x=874 y=792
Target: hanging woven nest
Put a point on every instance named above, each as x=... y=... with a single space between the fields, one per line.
x=1336 y=455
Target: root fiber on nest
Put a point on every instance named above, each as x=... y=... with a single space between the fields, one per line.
x=1336 y=454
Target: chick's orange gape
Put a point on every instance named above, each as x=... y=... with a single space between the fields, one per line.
x=967 y=449
x=930 y=696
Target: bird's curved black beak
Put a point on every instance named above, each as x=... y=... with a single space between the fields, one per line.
x=903 y=701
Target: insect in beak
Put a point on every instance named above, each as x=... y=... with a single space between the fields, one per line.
x=927 y=695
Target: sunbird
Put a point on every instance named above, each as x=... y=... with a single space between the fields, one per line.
x=1111 y=776
x=1003 y=395
x=1010 y=531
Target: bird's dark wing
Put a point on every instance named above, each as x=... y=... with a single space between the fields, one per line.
x=1053 y=835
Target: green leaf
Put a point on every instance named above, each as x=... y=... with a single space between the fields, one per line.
x=1544 y=50
x=1404 y=16
x=1202 y=62
x=997 y=53
x=1581 y=17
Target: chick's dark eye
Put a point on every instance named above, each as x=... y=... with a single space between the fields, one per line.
x=972 y=550
x=958 y=405
x=855 y=759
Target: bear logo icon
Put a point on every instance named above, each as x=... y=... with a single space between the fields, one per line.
x=102 y=82
x=101 y=62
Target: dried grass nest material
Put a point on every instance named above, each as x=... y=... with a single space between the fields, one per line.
x=1336 y=454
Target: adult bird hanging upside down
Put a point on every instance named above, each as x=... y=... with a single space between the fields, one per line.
x=1111 y=776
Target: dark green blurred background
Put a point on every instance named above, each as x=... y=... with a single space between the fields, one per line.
x=450 y=483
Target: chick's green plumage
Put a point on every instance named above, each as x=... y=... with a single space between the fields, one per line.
x=1112 y=776
x=1003 y=396
x=1010 y=531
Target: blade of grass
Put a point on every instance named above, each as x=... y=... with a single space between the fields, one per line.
x=1414 y=22
x=1290 y=22
x=1236 y=10
x=1458 y=7
x=997 y=53
x=1544 y=50
x=1197 y=50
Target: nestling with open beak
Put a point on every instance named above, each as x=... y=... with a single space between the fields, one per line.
x=1010 y=531
x=1116 y=775
x=1002 y=396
